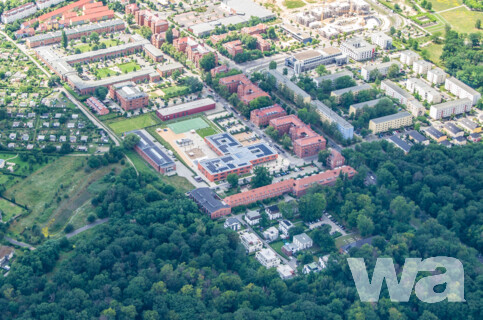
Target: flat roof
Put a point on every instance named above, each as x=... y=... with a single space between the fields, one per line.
x=417 y=136
x=307 y=54
x=358 y=88
x=209 y=200
x=462 y=85
x=334 y=76
x=249 y=8
x=369 y=103
x=434 y=132
x=451 y=127
x=185 y=106
x=152 y=149
x=397 y=88
x=451 y=104
x=170 y=66
x=399 y=115
x=400 y=143
x=468 y=123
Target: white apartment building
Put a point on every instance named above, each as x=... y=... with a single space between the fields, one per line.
x=358 y=49
x=422 y=66
x=267 y=258
x=284 y=226
x=382 y=40
x=416 y=108
x=42 y=4
x=394 y=91
x=393 y=121
x=426 y=92
x=462 y=90
x=446 y=109
x=19 y=12
x=303 y=241
x=271 y=234
x=251 y=242
x=408 y=57
x=436 y=76
x=381 y=67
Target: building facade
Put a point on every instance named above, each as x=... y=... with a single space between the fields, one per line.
x=449 y=108
x=393 y=121
x=462 y=90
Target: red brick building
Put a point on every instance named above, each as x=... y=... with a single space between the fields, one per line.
x=335 y=159
x=219 y=69
x=297 y=187
x=305 y=141
x=218 y=37
x=233 y=47
x=244 y=88
x=258 y=29
x=262 y=44
x=97 y=106
x=129 y=96
x=194 y=50
x=151 y=20
x=131 y=8
x=186 y=109
x=261 y=117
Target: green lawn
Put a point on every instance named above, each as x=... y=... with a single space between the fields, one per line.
x=85 y=47
x=277 y=246
x=462 y=19
x=187 y=125
x=129 y=67
x=434 y=51
x=439 y=5
x=175 y=91
x=206 y=132
x=293 y=4
x=139 y=122
x=9 y=210
x=125 y=68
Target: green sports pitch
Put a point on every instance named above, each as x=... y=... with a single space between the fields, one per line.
x=187 y=125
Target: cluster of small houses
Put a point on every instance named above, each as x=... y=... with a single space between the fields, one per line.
x=267 y=256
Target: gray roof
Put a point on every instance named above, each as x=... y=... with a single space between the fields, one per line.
x=354 y=89
x=208 y=199
x=302 y=238
x=400 y=143
x=468 y=124
x=462 y=85
x=231 y=221
x=357 y=244
x=131 y=92
x=397 y=88
x=369 y=103
x=281 y=79
x=107 y=51
x=152 y=149
x=434 y=132
x=451 y=104
x=452 y=128
x=76 y=30
x=169 y=67
x=334 y=76
x=223 y=141
x=390 y=117
x=416 y=136
x=249 y=8
x=185 y=106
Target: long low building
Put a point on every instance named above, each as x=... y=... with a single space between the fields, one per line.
x=154 y=153
x=462 y=90
x=333 y=77
x=449 y=108
x=75 y=33
x=186 y=109
x=355 y=90
x=393 y=121
x=382 y=68
x=211 y=204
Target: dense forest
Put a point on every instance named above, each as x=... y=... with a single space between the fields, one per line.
x=160 y=258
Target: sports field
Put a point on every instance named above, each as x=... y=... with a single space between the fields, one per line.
x=187 y=125
x=134 y=123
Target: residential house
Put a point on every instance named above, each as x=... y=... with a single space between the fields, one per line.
x=267 y=258
x=253 y=217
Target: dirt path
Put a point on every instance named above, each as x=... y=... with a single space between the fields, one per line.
x=86 y=227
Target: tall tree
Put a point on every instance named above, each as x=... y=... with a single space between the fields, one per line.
x=261 y=178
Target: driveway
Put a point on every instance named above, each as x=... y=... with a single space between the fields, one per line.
x=326 y=220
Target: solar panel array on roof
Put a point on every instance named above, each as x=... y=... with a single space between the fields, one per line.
x=152 y=150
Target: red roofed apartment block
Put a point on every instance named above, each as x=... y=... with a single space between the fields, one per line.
x=297 y=187
x=233 y=47
x=259 y=28
x=244 y=88
x=219 y=69
x=335 y=159
x=152 y=20
x=131 y=8
x=306 y=142
x=261 y=117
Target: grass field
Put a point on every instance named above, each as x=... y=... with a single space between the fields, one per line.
x=460 y=19
x=125 y=68
x=141 y=165
x=434 y=51
x=9 y=210
x=85 y=47
x=277 y=246
x=187 y=125
x=134 y=123
x=175 y=91
x=439 y=5
x=204 y=132
x=293 y=4
x=54 y=193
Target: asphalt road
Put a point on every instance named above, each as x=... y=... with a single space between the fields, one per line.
x=86 y=227
x=19 y=243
